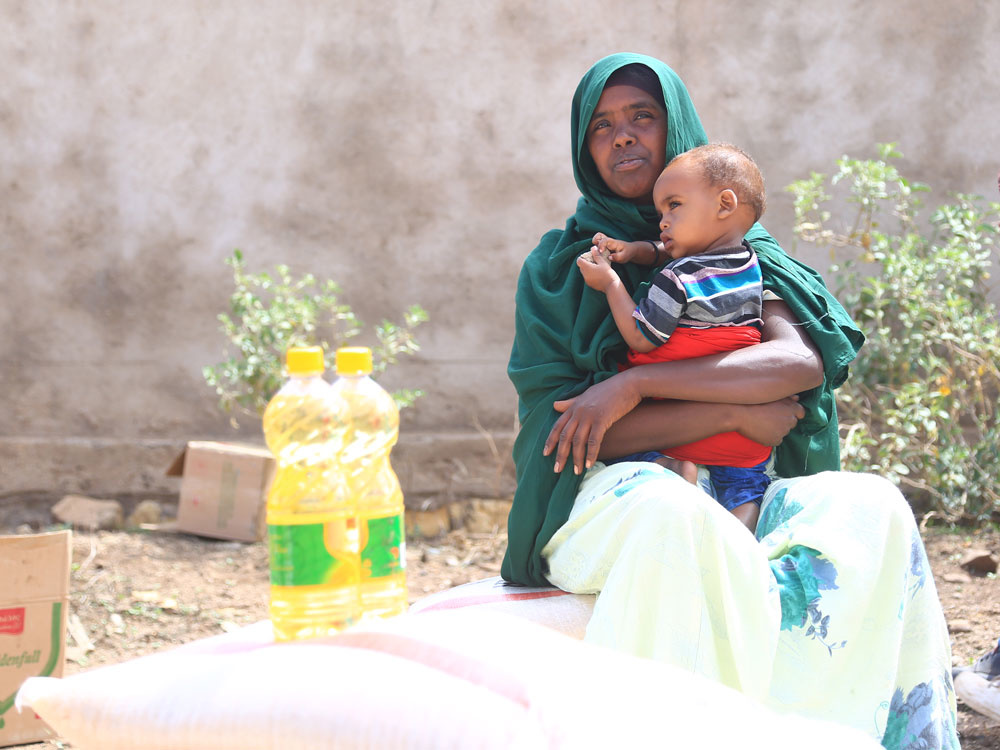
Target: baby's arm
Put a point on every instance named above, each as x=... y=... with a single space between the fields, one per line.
x=598 y=274
x=622 y=306
x=642 y=252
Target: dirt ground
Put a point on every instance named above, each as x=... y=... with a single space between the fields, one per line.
x=136 y=592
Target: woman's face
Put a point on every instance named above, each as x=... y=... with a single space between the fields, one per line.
x=627 y=139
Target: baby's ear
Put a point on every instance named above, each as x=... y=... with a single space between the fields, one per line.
x=728 y=203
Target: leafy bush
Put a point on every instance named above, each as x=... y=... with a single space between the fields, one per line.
x=268 y=314
x=921 y=405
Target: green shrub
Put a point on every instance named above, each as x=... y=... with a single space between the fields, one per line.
x=268 y=314
x=921 y=405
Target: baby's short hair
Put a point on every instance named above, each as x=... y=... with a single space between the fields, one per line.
x=731 y=167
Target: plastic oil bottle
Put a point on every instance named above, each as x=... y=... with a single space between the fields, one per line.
x=373 y=484
x=311 y=515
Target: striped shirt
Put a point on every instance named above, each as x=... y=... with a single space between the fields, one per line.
x=723 y=288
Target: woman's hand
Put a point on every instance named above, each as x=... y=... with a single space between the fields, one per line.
x=586 y=418
x=768 y=424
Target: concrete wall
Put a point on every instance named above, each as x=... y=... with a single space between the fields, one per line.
x=412 y=151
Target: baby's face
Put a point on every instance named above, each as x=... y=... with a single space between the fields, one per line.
x=689 y=209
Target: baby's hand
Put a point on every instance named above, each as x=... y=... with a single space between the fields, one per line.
x=619 y=251
x=597 y=271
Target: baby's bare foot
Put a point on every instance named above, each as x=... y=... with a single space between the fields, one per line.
x=684 y=469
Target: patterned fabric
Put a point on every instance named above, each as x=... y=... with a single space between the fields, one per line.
x=831 y=612
x=702 y=291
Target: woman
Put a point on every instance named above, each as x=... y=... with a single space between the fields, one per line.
x=831 y=611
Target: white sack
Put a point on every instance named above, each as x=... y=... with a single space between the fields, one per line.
x=460 y=678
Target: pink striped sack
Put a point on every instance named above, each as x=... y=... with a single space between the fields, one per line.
x=551 y=607
x=456 y=678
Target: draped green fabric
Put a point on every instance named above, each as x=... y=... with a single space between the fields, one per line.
x=565 y=339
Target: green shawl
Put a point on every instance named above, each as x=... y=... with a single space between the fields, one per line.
x=565 y=339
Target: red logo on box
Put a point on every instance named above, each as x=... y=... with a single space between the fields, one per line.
x=12 y=620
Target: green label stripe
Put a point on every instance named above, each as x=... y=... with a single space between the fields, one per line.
x=385 y=551
x=300 y=555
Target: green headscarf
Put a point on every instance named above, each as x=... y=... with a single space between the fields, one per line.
x=565 y=339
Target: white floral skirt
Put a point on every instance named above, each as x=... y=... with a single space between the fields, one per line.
x=831 y=612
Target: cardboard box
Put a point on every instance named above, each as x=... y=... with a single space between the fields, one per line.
x=34 y=600
x=223 y=489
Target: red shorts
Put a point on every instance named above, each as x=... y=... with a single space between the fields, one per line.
x=727 y=448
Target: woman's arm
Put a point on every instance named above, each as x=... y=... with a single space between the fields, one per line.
x=643 y=428
x=783 y=364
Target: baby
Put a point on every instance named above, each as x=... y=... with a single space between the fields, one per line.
x=706 y=299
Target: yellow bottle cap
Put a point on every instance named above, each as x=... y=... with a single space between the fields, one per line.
x=305 y=360
x=354 y=360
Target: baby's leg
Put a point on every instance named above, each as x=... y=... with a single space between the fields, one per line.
x=684 y=469
x=748 y=513
x=740 y=490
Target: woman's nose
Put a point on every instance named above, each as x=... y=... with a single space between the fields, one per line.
x=624 y=137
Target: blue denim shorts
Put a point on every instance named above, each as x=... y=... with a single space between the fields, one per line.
x=646 y=456
x=735 y=486
x=732 y=486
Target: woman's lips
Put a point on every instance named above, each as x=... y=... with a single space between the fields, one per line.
x=628 y=163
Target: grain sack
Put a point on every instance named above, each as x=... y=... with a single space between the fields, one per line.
x=456 y=678
x=552 y=607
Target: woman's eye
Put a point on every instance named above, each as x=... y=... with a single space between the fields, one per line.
x=598 y=126
x=674 y=204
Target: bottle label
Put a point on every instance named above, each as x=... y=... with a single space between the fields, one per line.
x=384 y=552
x=311 y=554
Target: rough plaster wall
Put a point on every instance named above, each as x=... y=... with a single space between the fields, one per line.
x=815 y=81
x=412 y=151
